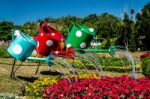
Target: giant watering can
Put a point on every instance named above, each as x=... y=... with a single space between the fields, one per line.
x=22 y=46
x=48 y=39
x=79 y=36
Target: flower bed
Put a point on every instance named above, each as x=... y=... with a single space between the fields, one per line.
x=36 y=89
x=107 y=63
x=91 y=88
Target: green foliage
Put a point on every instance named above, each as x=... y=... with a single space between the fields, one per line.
x=107 y=64
x=127 y=36
x=3 y=51
x=146 y=66
x=5 y=30
x=31 y=28
x=107 y=28
x=108 y=61
x=142 y=27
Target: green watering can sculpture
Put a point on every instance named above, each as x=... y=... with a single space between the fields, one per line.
x=80 y=36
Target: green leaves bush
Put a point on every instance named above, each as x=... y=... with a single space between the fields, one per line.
x=108 y=61
x=107 y=64
x=146 y=67
x=3 y=51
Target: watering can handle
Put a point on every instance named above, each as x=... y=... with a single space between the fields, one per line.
x=80 y=26
x=45 y=24
x=12 y=35
x=73 y=23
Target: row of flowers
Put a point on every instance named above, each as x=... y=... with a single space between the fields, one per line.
x=119 y=65
x=106 y=87
x=122 y=68
x=36 y=88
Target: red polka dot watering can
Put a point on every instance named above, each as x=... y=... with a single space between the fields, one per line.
x=22 y=46
x=48 y=39
x=79 y=36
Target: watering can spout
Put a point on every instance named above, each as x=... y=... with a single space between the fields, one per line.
x=48 y=59
x=111 y=50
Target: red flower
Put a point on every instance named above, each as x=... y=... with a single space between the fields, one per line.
x=113 y=95
x=76 y=97
x=87 y=88
x=144 y=55
x=138 y=88
x=132 y=97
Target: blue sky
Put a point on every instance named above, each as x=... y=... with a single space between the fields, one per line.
x=21 y=11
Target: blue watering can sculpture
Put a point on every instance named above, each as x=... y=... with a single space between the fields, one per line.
x=22 y=47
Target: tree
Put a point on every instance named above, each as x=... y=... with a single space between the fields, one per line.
x=128 y=30
x=5 y=30
x=143 y=27
x=90 y=20
x=107 y=28
x=31 y=28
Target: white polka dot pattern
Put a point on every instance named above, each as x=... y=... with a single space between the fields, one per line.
x=78 y=33
x=41 y=34
x=49 y=43
x=91 y=29
x=53 y=34
x=68 y=45
x=56 y=52
x=38 y=44
x=16 y=32
x=83 y=45
x=17 y=49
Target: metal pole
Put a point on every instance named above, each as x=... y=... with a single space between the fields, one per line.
x=12 y=70
x=37 y=68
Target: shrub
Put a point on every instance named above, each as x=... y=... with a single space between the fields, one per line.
x=146 y=66
x=107 y=63
x=3 y=51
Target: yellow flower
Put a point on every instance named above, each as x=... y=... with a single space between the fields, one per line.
x=34 y=87
x=36 y=93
